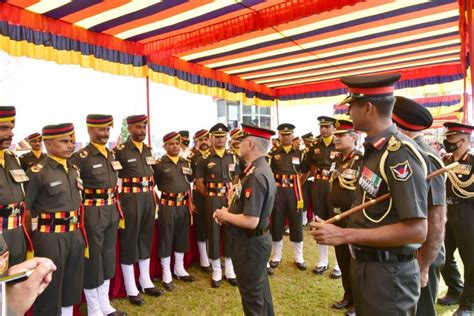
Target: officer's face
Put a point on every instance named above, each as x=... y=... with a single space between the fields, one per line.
x=344 y=141
x=202 y=143
x=358 y=113
x=172 y=147
x=297 y=144
x=62 y=147
x=6 y=134
x=219 y=141
x=285 y=139
x=137 y=131
x=245 y=148
x=326 y=130
x=35 y=144
x=99 y=135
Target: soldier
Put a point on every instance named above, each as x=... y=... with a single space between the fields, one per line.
x=344 y=173
x=383 y=238
x=215 y=173
x=138 y=205
x=36 y=154
x=201 y=147
x=287 y=165
x=184 y=146
x=275 y=142
x=235 y=141
x=173 y=176
x=12 y=179
x=308 y=140
x=319 y=157
x=296 y=142
x=248 y=216
x=54 y=198
x=459 y=232
x=411 y=118
x=98 y=169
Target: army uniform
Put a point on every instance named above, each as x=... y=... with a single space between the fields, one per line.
x=343 y=180
x=308 y=184
x=98 y=170
x=54 y=198
x=218 y=174
x=287 y=167
x=138 y=205
x=386 y=280
x=251 y=248
x=459 y=232
x=173 y=180
x=31 y=158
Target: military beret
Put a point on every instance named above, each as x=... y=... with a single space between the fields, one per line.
x=57 y=131
x=33 y=136
x=326 y=120
x=133 y=119
x=410 y=115
x=369 y=86
x=453 y=128
x=235 y=133
x=171 y=136
x=201 y=133
x=219 y=130
x=99 y=120
x=285 y=128
x=343 y=126
x=253 y=130
x=7 y=113
x=184 y=133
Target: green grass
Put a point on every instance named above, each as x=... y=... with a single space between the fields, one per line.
x=294 y=292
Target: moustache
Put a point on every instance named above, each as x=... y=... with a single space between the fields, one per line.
x=6 y=139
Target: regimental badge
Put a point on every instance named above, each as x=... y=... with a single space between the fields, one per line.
x=277 y=157
x=295 y=160
x=211 y=165
x=83 y=154
x=150 y=160
x=463 y=169
x=4 y=262
x=36 y=168
x=248 y=192
x=401 y=171
x=116 y=165
x=19 y=175
x=370 y=182
x=393 y=144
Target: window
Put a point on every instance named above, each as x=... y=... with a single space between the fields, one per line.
x=232 y=112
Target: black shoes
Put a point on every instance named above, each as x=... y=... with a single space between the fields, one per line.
x=232 y=281
x=448 y=300
x=270 y=271
x=320 y=270
x=185 y=278
x=207 y=269
x=153 y=291
x=216 y=284
x=136 y=300
x=342 y=304
x=274 y=264
x=168 y=286
x=301 y=265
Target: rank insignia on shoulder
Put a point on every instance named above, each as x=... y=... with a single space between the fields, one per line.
x=402 y=171
x=248 y=192
x=120 y=146
x=83 y=154
x=393 y=144
x=36 y=168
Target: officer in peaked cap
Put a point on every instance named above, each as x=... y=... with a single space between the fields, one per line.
x=98 y=169
x=288 y=165
x=412 y=118
x=248 y=216
x=36 y=155
x=386 y=236
x=459 y=232
x=320 y=156
x=215 y=173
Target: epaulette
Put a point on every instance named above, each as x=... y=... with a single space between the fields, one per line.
x=36 y=168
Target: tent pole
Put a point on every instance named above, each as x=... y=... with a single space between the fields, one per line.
x=278 y=115
x=148 y=109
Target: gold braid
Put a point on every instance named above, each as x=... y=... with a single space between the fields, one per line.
x=459 y=185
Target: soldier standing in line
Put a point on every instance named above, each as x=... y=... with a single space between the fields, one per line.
x=201 y=147
x=216 y=172
x=459 y=232
x=173 y=176
x=184 y=146
x=138 y=205
x=98 y=169
x=319 y=157
x=308 y=184
x=287 y=164
x=12 y=179
x=53 y=195
x=383 y=238
x=344 y=173
x=36 y=154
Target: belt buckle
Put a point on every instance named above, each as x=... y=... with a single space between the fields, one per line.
x=383 y=255
x=144 y=183
x=111 y=195
x=73 y=219
x=286 y=181
x=221 y=190
x=180 y=198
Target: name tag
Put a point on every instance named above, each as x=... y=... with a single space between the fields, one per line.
x=97 y=166
x=295 y=160
x=150 y=160
x=132 y=160
x=116 y=165
x=231 y=167
x=370 y=182
x=56 y=183
x=19 y=175
x=187 y=171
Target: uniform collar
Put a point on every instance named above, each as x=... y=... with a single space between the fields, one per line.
x=96 y=151
x=166 y=158
x=381 y=139
x=132 y=144
x=53 y=163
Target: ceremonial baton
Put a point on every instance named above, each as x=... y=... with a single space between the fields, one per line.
x=384 y=197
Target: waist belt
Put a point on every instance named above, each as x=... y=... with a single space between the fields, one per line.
x=217 y=188
x=10 y=216
x=174 y=199
x=99 y=197
x=137 y=184
x=457 y=201
x=284 y=180
x=322 y=174
x=375 y=255
x=257 y=232
x=58 y=222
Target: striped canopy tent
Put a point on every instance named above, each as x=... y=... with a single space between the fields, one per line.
x=255 y=51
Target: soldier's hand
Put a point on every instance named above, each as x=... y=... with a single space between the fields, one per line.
x=194 y=208
x=424 y=269
x=219 y=215
x=326 y=234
